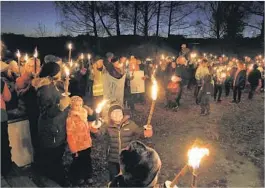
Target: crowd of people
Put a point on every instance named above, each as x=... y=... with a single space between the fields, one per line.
x=36 y=90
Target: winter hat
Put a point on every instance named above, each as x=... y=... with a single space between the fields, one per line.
x=109 y=55
x=75 y=99
x=139 y=164
x=49 y=69
x=3 y=66
x=51 y=58
x=114 y=107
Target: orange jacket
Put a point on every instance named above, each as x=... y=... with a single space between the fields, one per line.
x=173 y=87
x=78 y=133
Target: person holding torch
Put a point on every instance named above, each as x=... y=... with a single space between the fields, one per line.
x=118 y=132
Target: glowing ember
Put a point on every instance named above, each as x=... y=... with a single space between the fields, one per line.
x=195 y=155
x=100 y=106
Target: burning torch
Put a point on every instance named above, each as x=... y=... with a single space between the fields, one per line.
x=97 y=123
x=195 y=155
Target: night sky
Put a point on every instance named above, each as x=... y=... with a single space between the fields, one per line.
x=23 y=17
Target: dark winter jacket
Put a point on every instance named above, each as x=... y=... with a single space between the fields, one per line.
x=181 y=71
x=119 y=137
x=240 y=79
x=254 y=77
x=52 y=121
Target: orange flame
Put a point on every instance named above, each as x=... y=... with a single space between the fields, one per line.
x=82 y=56
x=195 y=155
x=70 y=46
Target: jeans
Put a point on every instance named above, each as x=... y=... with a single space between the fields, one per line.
x=6 y=160
x=114 y=169
x=218 y=89
x=227 y=88
x=81 y=167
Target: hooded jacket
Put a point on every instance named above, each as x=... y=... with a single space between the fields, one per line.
x=52 y=118
x=119 y=137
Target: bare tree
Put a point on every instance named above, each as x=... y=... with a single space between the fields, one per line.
x=147 y=11
x=178 y=11
x=214 y=23
x=158 y=16
x=255 y=9
x=41 y=31
x=78 y=16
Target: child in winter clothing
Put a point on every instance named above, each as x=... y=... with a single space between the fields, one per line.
x=174 y=92
x=78 y=130
x=120 y=131
x=205 y=94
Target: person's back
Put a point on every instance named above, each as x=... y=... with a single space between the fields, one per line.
x=254 y=77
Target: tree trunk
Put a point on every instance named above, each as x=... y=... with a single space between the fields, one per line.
x=217 y=17
x=135 y=17
x=170 y=18
x=117 y=17
x=158 y=15
x=145 y=18
x=94 y=19
x=102 y=21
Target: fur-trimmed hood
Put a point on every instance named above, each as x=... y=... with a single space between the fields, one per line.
x=39 y=82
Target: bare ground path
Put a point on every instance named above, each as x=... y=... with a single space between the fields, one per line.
x=234 y=132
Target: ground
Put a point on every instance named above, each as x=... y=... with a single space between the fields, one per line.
x=234 y=134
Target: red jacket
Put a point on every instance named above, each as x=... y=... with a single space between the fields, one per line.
x=78 y=133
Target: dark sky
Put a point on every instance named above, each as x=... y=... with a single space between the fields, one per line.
x=23 y=17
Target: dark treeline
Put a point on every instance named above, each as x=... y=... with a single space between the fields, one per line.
x=127 y=45
x=216 y=19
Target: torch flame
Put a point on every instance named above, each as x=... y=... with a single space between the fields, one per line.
x=223 y=75
x=100 y=106
x=71 y=63
x=36 y=53
x=18 y=54
x=70 y=46
x=88 y=56
x=154 y=89
x=162 y=57
x=26 y=57
x=82 y=56
x=67 y=71
x=195 y=155
x=127 y=62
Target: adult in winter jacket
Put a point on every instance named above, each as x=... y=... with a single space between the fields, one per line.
x=6 y=161
x=119 y=132
x=140 y=167
x=52 y=122
x=205 y=94
x=239 y=82
x=254 y=78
